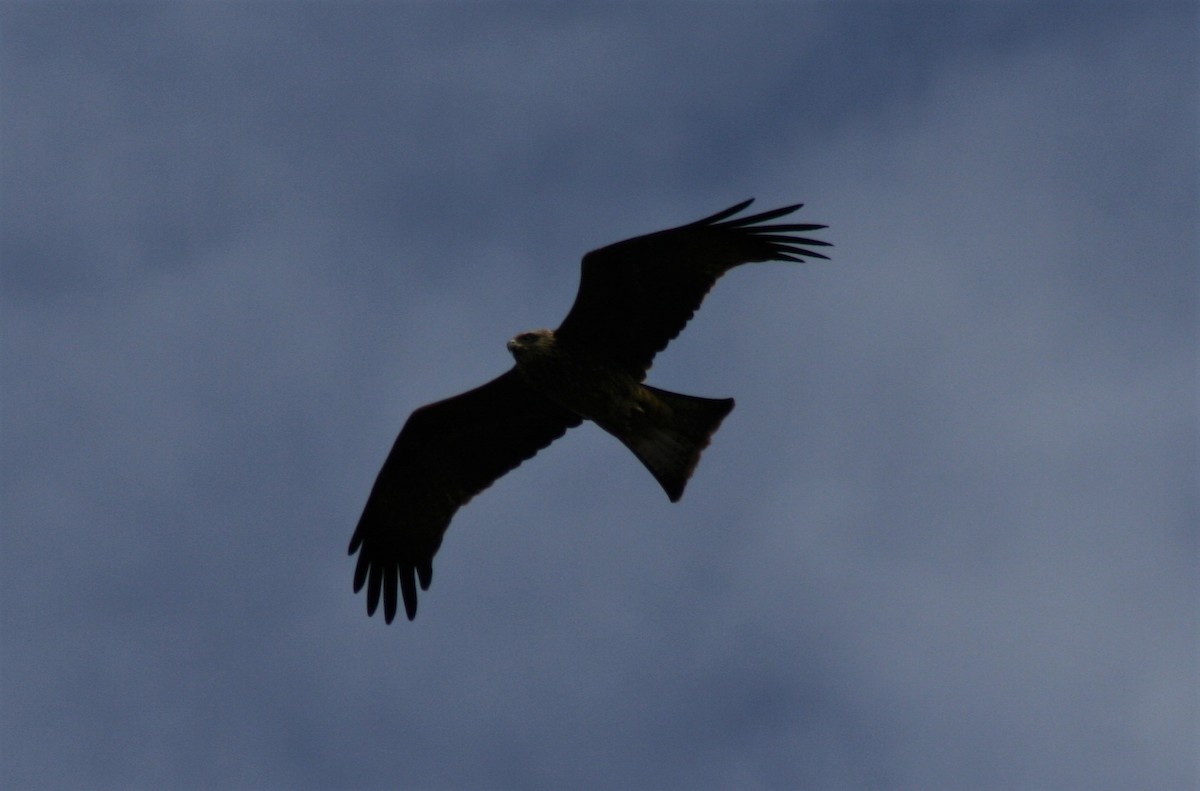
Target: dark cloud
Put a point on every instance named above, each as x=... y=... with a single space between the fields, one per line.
x=946 y=540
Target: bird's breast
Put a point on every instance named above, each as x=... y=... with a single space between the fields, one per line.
x=588 y=387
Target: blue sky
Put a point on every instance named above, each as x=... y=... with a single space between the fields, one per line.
x=947 y=540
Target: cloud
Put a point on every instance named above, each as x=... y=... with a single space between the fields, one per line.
x=944 y=541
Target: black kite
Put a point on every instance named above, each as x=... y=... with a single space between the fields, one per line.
x=634 y=297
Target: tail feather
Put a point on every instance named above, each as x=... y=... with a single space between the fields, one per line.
x=675 y=429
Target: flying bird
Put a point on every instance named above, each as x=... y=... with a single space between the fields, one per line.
x=634 y=297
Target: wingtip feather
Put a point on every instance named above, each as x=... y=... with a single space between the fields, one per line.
x=374 y=585
x=389 y=596
x=753 y=219
x=408 y=588
x=721 y=215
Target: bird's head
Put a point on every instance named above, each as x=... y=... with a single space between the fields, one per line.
x=531 y=344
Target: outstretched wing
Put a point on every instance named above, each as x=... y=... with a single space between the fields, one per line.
x=635 y=296
x=446 y=453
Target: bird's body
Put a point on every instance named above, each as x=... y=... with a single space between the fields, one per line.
x=583 y=382
x=634 y=297
x=665 y=430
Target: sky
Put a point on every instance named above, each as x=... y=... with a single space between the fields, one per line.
x=946 y=540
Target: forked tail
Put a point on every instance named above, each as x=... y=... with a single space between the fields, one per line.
x=675 y=429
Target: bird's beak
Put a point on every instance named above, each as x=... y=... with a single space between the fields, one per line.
x=512 y=345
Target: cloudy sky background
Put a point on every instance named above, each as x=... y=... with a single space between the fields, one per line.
x=947 y=540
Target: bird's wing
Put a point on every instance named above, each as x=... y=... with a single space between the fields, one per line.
x=447 y=452
x=635 y=296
